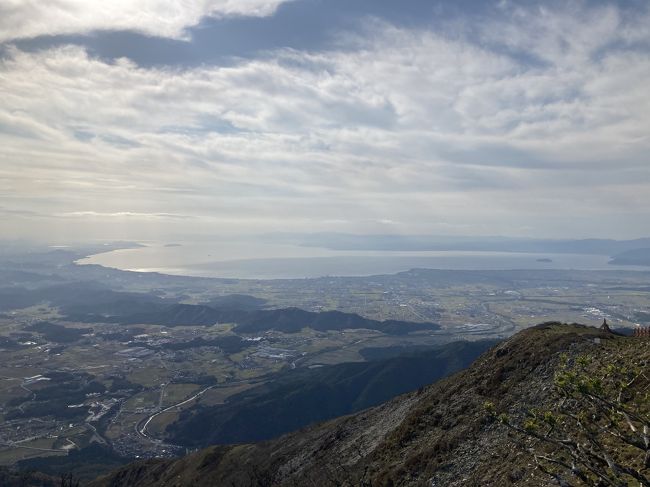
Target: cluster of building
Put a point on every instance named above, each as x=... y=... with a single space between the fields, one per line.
x=642 y=332
x=137 y=353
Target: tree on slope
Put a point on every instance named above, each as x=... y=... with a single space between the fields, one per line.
x=597 y=433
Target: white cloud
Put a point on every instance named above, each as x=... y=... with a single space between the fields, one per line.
x=410 y=127
x=20 y=19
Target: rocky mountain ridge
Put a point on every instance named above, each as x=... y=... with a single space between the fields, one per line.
x=440 y=435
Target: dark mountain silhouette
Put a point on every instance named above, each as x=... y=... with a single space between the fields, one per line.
x=303 y=396
x=288 y=320
x=237 y=301
x=81 y=298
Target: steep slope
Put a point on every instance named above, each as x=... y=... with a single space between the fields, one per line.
x=303 y=396
x=438 y=436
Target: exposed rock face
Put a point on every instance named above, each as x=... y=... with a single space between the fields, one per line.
x=437 y=436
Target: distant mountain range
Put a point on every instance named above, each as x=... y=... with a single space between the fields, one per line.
x=633 y=257
x=81 y=298
x=341 y=241
x=288 y=320
x=88 y=302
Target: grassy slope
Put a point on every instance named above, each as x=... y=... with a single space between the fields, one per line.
x=438 y=436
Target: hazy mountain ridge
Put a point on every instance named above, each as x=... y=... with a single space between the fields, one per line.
x=632 y=257
x=288 y=320
x=436 y=436
x=597 y=246
x=80 y=298
x=90 y=302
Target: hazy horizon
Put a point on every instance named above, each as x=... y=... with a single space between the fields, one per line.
x=323 y=240
x=225 y=222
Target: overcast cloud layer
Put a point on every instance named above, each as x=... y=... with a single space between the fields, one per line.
x=527 y=121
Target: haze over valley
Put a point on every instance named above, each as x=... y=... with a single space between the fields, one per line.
x=101 y=365
x=346 y=243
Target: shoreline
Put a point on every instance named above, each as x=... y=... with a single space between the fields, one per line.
x=142 y=258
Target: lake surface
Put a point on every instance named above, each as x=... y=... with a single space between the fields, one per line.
x=261 y=261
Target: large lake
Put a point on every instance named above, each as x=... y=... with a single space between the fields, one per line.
x=261 y=261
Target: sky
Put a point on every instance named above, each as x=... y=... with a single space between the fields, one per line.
x=159 y=119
